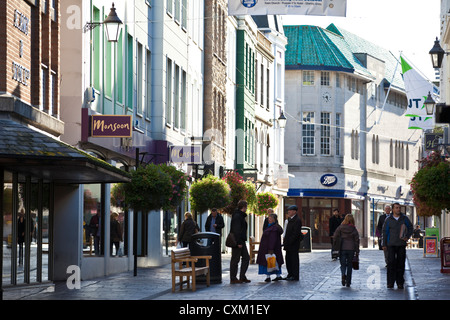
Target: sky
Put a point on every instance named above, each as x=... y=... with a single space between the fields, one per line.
x=407 y=26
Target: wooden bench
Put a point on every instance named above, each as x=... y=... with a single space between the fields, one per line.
x=253 y=251
x=189 y=270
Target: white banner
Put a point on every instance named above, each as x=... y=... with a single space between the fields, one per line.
x=417 y=88
x=287 y=7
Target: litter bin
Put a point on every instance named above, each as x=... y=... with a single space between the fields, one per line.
x=305 y=244
x=208 y=244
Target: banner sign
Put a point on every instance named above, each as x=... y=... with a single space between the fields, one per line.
x=288 y=7
x=417 y=88
x=111 y=126
x=186 y=154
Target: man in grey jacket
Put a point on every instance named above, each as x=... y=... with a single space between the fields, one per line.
x=396 y=231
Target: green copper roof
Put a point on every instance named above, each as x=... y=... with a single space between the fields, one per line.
x=315 y=48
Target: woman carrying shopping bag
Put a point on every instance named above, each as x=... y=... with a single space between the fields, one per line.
x=346 y=241
x=270 y=245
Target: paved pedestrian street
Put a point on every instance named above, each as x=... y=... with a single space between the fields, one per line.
x=320 y=279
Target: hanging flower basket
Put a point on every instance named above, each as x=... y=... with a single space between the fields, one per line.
x=209 y=192
x=431 y=185
x=264 y=201
x=152 y=187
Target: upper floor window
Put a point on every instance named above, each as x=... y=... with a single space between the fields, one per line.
x=308 y=78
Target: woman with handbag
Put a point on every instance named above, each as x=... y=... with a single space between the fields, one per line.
x=270 y=248
x=346 y=241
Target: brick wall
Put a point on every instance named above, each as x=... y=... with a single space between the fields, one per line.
x=31 y=35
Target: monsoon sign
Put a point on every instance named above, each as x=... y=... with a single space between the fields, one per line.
x=186 y=154
x=288 y=7
x=111 y=126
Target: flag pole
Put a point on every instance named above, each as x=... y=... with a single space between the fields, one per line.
x=389 y=89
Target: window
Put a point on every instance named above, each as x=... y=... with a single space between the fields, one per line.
x=325 y=133
x=148 y=84
x=324 y=78
x=308 y=78
x=169 y=6
x=44 y=77
x=338 y=80
x=139 y=80
x=355 y=145
x=119 y=59
x=96 y=45
x=183 y=100
x=130 y=73
x=107 y=80
x=169 y=92
x=176 y=97
x=338 y=134
x=308 y=133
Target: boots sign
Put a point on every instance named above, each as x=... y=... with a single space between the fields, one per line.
x=328 y=180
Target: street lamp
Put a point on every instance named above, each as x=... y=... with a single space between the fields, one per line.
x=282 y=120
x=112 y=24
x=437 y=54
x=429 y=104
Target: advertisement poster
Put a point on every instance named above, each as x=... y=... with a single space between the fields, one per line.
x=288 y=7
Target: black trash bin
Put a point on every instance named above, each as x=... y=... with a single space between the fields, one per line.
x=305 y=244
x=208 y=244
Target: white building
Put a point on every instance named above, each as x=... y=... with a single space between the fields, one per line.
x=345 y=148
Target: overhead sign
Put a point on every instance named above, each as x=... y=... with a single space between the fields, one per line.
x=111 y=126
x=328 y=180
x=186 y=154
x=291 y=7
x=432 y=140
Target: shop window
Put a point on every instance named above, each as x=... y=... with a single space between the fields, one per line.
x=25 y=229
x=93 y=234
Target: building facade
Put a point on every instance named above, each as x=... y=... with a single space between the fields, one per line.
x=41 y=176
x=345 y=154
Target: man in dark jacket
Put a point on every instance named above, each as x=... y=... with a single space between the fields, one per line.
x=239 y=229
x=214 y=222
x=291 y=244
x=396 y=231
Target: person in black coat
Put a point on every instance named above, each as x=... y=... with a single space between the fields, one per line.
x=239 y=229
x=381 y=219
x=291 y=244
x=214 y=222
x=187 y=229
x=334 y=222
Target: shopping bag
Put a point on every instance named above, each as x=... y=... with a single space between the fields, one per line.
x=355 y=262
x=271 y=262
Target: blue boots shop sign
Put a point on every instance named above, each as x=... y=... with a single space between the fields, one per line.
x=328 y=180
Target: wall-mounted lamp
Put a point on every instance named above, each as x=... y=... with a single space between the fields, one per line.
x=437 y=54
x=282 y=120
x=112 y=24
x=429 y=104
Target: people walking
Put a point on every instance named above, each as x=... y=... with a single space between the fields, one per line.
x=334 y=222
x=396 y=231
x=115 y=234
x=270 y=244
x=387 y=212
x=346 y=241
x=239 y=229
x=187 y=229
x=291 y=244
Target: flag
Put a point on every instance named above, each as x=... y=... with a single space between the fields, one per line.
x=288 y=7
x=417 y=88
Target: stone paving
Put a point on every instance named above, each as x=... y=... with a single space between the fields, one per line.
x=319 y=280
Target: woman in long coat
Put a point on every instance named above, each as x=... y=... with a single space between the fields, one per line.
x=270 y=244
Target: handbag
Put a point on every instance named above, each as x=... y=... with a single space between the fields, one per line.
x=231 y=241
x=355 y=262
x=272 y=264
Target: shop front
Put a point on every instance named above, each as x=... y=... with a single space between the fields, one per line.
x=316 y=208
x=40 y=198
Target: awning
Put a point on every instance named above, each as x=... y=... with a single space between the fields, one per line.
x=28 y=151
